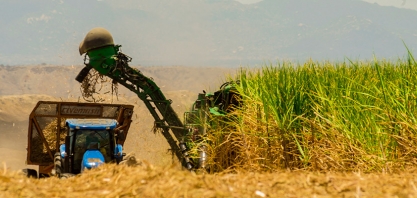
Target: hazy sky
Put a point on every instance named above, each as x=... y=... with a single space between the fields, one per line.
x=248 y=1
x=239 y=40
x=408 y=4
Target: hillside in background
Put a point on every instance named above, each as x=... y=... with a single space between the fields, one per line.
x=206 y=32
x=59 y=81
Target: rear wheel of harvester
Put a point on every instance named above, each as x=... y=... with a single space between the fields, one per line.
x=32 y=173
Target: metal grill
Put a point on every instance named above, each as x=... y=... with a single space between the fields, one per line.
x=39 y=153
x=48 y=127
x=46 y=109
x=110 y=112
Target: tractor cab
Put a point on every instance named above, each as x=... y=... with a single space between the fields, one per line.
x=90 y=143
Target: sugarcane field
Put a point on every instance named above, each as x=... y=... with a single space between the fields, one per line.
x=208 y=98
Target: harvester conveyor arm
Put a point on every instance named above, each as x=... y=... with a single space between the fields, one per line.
x=116 y=67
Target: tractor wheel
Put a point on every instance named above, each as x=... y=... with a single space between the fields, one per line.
x=57 y=165
x=66 y=175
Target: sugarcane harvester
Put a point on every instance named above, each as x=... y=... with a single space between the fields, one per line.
x=106 y=58
x=102 y=55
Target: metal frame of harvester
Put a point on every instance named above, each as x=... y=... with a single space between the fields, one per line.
x=102 y=55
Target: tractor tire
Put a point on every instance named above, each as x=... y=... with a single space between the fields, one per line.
x=66 y=175
x=31 y=173
x=57 y=165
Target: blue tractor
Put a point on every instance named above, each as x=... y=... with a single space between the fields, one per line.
x=66 y=138
x=91 y=142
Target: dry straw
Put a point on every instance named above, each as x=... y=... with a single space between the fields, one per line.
x=39 y=149
x=146 y=181
x=95 y=85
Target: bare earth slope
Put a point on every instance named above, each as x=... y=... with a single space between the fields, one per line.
x=14 y=114
x=59 y=81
